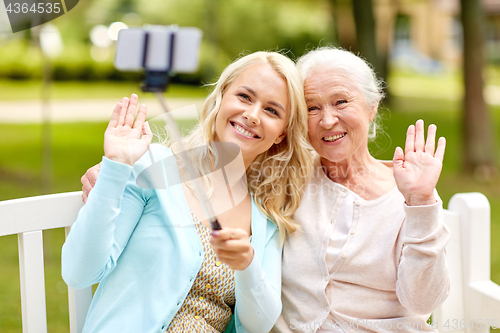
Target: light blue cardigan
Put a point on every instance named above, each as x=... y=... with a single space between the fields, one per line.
x=141 y=246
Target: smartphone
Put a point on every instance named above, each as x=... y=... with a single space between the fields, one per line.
x=158 y=49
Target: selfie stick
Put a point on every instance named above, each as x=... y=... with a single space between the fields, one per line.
x=157 y=82
x=205 y=204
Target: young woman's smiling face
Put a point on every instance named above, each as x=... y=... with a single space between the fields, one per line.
x=254 y=111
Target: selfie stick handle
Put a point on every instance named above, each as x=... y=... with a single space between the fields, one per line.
x=158 y=80
x=174 y=129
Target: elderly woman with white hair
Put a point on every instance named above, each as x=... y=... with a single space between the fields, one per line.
x=370 y=255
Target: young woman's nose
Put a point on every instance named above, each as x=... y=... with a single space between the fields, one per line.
x=251 y=114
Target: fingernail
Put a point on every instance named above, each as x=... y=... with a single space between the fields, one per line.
x=215 y=233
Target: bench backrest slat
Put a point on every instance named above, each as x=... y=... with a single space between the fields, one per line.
x=31 y=273
x=39 y=213
x=79 y=303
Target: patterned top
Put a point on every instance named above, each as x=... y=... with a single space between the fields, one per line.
x=207 y=307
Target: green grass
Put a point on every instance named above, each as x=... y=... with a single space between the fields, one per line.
x=77 y=146
x=30 y=90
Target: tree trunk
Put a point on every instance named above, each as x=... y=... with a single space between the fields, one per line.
x=479 y=146
x=365 y=31
x=334 y=11
x=364 y=19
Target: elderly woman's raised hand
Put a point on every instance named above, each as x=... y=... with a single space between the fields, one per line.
x=88 y=181
x=417 y=169
x=126 y=140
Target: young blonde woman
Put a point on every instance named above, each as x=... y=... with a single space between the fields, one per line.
x=158 y=267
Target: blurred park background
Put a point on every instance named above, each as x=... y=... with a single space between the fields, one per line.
x=440 y=60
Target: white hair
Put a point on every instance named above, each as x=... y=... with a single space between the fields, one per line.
x=353 y=67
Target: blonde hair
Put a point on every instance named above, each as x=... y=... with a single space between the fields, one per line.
x=287 y=166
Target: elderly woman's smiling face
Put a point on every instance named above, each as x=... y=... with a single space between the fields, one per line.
x=339 y=116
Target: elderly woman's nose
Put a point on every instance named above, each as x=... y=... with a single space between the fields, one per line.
x=328 y=118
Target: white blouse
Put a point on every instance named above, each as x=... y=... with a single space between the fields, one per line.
x=341 y=229
x=338 y=238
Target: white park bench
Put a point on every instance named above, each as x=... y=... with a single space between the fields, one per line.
x=473 y=299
